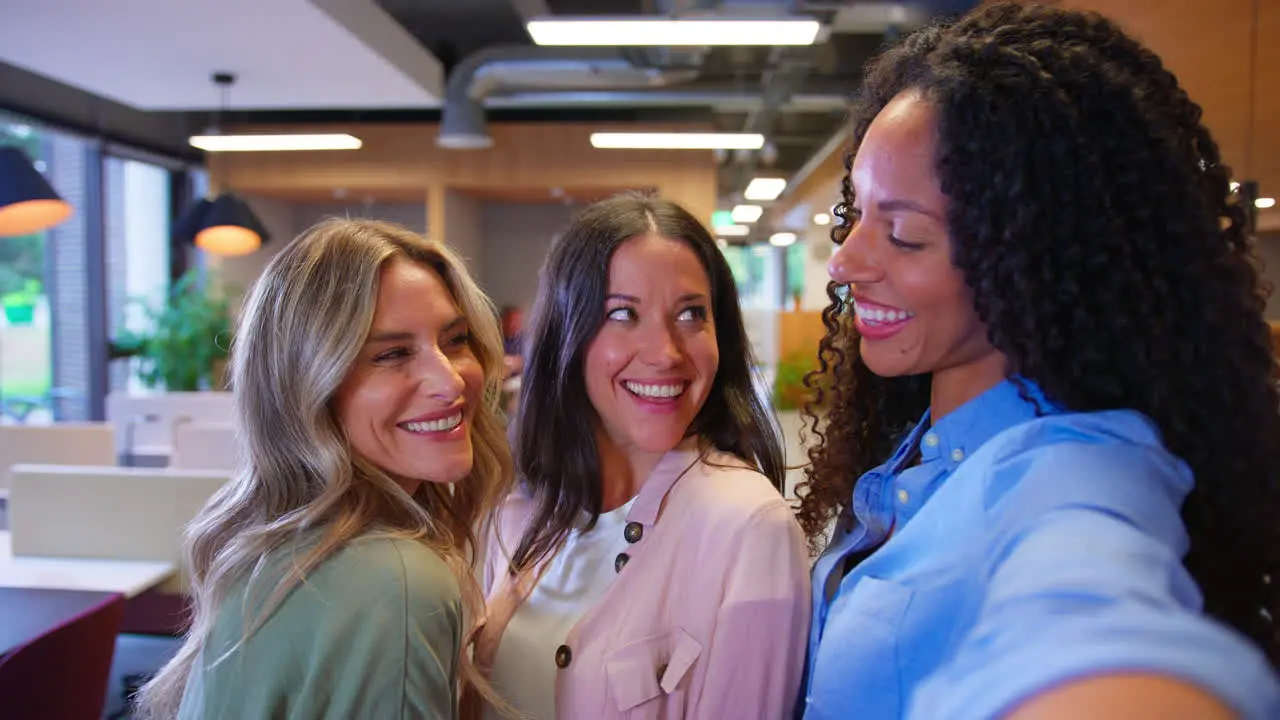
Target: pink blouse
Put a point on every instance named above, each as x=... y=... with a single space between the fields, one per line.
x=709 y=614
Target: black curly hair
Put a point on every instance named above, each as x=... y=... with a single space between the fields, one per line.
x=1092 y=217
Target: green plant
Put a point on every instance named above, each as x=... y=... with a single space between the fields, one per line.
x=20 y=305
x=189 y=335
x=789 y=392
x=28 y=295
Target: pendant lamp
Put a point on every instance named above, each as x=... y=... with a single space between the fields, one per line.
x=224 y=225
x=28 y=204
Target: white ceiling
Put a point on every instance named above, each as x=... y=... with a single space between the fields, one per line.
x=160 y=54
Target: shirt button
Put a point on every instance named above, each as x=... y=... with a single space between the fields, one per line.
x=563 y=656
x=633 y=532
x=620 y=562
x=903 y=496
x=931 y=440
x=957 y=454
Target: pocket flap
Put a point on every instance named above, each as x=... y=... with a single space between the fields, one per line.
x=645 y=669
x=684 y=651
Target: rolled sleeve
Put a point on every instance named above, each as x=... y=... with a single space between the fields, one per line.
x=1085 y=578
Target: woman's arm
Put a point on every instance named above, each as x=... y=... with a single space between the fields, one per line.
x=1124 y=696
x=755 y=659
x=1088 y=610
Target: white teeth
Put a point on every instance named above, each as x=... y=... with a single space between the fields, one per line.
x=875 y=316
x=656 y=391
x=441 y=425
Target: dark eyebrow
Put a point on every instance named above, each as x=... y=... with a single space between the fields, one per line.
x=383 y=336
x=636 y=300
x=909 y=206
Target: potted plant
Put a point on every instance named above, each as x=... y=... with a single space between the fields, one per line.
x=188 y=341
x=20 y=305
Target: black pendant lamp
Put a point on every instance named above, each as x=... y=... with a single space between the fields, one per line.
x=222 y=226
x=28 y=204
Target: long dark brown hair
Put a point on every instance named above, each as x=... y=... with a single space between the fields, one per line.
x=555 y=447
x=1092 y=217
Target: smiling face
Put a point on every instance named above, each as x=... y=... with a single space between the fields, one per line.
x=914 y=310
x=651 y=365
x=407 y=402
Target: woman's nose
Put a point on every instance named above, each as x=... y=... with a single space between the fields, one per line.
x=440 y=379
x=661 y=348
x=853 y=261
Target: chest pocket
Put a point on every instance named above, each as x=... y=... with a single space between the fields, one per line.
x=646 y=676
x=862 y=631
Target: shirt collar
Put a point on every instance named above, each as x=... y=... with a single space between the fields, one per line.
x=673 y=465
x=945 y=444
x=968 y=427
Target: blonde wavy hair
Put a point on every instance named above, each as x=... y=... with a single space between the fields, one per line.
x=300 y=331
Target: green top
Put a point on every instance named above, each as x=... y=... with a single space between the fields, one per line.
x=373 y=632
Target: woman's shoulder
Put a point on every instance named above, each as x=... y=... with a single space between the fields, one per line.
x=377 y=559
x=1082 y=438
x=1112 y=461
x=728 y=490
x=374 y=569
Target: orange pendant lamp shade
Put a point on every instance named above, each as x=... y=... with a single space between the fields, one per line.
x=28 y=204
x=222 y=226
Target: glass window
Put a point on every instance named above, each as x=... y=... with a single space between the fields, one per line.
x=757 y=271
x=137 y=214
x=26 y=366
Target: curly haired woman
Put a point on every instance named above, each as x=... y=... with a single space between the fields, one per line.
x=1049 y=438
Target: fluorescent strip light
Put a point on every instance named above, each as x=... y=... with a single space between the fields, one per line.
x=662 y=32
x=1264 y=203
x=269 y=143
x=677 y=141
x=765 y=188
x=822 y=219
x=782 y=239
x=747 y=213
x=733 y=230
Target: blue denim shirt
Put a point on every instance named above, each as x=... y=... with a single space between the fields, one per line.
x=1025 y=549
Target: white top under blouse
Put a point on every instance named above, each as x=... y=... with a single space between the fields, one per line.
x=523 y=671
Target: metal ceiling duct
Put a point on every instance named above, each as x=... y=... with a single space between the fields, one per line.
x=526 y=68
x=530 y=67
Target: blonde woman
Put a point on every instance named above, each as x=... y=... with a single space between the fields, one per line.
x=331 y=577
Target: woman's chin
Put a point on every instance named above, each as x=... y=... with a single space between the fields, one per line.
x=886 y=363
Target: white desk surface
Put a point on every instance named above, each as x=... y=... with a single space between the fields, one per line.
x=130 y=577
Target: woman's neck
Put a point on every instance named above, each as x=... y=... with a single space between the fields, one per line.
x=624 y=471
x=958 y=385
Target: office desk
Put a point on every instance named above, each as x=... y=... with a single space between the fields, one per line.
x=128 y=577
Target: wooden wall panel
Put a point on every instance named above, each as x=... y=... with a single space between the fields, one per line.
x=799 y=333
x=1207 y=44
x=1264 y=156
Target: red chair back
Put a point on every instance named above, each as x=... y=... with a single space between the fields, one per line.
x=62 y=674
